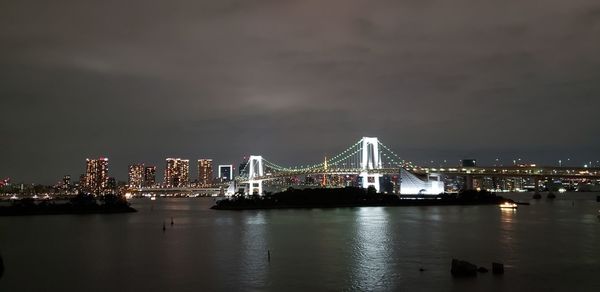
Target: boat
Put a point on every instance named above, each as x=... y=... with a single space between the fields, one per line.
x=508 y=205
x=153 y=198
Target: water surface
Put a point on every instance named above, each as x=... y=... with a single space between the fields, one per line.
x=547 y=246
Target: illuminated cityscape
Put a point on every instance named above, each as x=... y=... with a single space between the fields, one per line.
x=384 y=170
x=299 y=146
x=361 y=165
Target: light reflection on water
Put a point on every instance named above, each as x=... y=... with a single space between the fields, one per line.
x=254 y=249
x=318 y=249
x=371 y=248
x=507 y=221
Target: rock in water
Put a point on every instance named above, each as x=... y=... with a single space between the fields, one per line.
x=482 y=270
x=463 y=269
x=497 y=268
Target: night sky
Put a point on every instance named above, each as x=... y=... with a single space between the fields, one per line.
x=139 y=81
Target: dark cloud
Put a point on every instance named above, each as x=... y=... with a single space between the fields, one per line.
x=138 y=81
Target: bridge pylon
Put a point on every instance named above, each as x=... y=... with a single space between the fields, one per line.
x=255 y=169
x=370 y=159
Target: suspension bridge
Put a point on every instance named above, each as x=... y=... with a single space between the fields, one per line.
x=368 y=163
x=368 y=159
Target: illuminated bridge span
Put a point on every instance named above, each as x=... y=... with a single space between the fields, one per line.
x=516 y=171
x=534 y=172
x=368 y=159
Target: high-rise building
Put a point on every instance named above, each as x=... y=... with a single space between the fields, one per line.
x=170 y=172
x=96 y=175
x=226 y=172
x=150 y=176
x=184 y=169
x=177 y=172
x=205 y=172
x=136 y=176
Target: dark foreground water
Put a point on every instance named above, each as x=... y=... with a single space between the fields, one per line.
x=547 y=246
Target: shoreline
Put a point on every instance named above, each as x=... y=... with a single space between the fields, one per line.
x=62 y=210
x=80 y=204
x=351 y=198
x=412 y=204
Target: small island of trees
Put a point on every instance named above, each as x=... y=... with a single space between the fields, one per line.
x=350 y=197
x=80 y=204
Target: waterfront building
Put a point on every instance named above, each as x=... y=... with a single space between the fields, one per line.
x=226 y=172
x=205 y=172
x=177 y=172
x=96 y=175
x=136 y=176
x=149 y=176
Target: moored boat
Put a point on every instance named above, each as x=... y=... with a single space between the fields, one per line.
x=508 y=205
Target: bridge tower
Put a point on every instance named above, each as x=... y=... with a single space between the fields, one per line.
x=370 y=159
x=255 y=169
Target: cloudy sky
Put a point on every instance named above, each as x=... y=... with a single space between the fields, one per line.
x=295 y=80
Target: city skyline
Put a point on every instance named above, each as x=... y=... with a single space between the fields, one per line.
x=207 y=172
x=228 y=79
x=122 y=170
x=366 y=163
